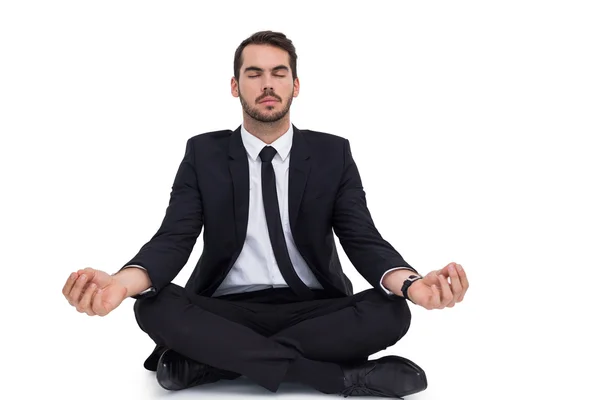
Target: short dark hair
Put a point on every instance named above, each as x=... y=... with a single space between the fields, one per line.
x=276 y=39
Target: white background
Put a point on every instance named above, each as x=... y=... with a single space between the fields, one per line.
x=474 y=126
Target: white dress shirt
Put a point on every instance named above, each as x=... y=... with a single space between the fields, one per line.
x=256 y=267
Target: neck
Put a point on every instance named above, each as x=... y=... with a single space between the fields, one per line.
x=268 y=132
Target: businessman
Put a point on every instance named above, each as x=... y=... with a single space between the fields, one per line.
x=268 y=298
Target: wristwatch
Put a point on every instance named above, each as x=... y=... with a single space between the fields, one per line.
x=409 y=281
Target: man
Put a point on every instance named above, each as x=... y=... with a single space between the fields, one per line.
x=268 y=298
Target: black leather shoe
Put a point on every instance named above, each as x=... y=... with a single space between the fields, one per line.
x=177 y=372
x=389 y=376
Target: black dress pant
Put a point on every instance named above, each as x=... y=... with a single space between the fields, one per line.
x=265 y=334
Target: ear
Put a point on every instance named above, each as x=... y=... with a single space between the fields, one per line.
x=296 y=87
x=234 y=88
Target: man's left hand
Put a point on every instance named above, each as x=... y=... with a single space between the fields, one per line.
x=435 y=292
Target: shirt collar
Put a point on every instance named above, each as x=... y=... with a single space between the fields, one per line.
x=254 y=145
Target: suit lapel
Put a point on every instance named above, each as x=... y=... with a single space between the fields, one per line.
x=298 y=174
x=240 y=175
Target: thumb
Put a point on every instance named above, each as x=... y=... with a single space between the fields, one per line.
x=431 y=278
x=100 y=278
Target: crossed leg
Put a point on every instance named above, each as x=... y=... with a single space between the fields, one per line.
x=235 y=336
x=347 y=329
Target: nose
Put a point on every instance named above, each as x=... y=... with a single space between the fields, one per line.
x=267 y=83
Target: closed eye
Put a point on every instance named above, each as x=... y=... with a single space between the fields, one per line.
x=256 y=76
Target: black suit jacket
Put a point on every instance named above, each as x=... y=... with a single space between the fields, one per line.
x=211 y=191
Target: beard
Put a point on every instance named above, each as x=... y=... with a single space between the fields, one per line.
x=255 y=112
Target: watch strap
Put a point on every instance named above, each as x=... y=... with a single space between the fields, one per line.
x=409 y=281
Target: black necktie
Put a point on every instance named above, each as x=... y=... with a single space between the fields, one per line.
x=269 y=190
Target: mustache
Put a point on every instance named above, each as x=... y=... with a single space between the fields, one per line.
x=268 y=94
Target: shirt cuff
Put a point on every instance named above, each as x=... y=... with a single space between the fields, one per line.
x=389 y=292
x=150 y=289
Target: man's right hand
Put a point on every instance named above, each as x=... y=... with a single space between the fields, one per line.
x=94 y=292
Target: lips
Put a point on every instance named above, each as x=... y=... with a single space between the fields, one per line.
x=268 y=99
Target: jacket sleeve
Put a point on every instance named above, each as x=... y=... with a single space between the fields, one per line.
x=169 y=249
x=370 y=254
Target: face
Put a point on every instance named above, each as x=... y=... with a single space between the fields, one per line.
x=265 y=73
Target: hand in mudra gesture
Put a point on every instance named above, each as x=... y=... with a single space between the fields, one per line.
x=435 y=292
x=94 y=292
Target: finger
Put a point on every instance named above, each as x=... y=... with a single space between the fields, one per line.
x=446 y=292
x=455 y=285
x=446 y=270
x=435 y=298
x=69 y=285
x=86 y=300
x=91 y=274
x=464 y=282
x=98 y=306
x=77 y=290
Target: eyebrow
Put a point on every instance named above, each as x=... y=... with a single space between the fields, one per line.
x=277 y=68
